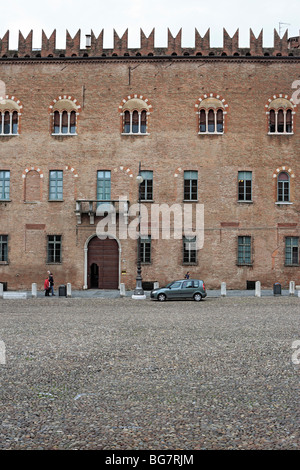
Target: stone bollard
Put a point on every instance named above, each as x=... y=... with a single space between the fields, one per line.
x=223 y=289
x=257 y=289
x=122 y=290
x=292 y=288
x=1 y=291
x=69 y=290
x=155 y=285
x=298 y=289
x=34 y=290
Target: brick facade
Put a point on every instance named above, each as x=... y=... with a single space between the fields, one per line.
x=173 y=82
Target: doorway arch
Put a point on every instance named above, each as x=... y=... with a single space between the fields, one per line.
x=102 y=262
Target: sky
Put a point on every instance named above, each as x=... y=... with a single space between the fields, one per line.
x=119 y=15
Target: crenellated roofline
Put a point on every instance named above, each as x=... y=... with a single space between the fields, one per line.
x=282 y=47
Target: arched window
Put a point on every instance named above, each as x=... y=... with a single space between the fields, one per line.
x=64 y=114
x=280 y=112
x=283 y=187
x=211 y=115
x=9 y=117
x=135 y=113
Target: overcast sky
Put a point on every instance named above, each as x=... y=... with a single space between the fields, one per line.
x=72 y=15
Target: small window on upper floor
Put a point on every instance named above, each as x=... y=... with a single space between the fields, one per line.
x=280 y=116
x=212 y=111
x=9 y=117
x=135 y=113
x=64 y=114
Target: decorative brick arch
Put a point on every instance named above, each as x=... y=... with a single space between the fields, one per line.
x=283 y=97
x=286 y=169
x=142 y=103
x=135 y=96
x=24 y=175
x=65 y=97
x=206 y=96
x=74 y=105
x=72 y=169
x=126 y=170
x=11 y=103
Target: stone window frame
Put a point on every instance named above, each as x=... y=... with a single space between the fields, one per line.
x=64 y=104
x=10 y=104
x=211 y=104
x=280 y=103
x=291 y=175
x=135 y=106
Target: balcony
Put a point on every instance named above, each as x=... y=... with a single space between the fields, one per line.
x=100 y=208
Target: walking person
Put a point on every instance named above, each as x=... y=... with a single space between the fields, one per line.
x=51 y=281
x=47 y=287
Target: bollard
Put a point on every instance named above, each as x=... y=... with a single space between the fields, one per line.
x=155 y=285
x=1 y=291
x=122 y=290
x=292 y=288
x=223 y=289
x=34 y=290
x=69 y=290
x=298 y=289
x=257 y=289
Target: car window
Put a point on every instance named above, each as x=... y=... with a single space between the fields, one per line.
x=196 y=283
x=175 y=285
x=187 y=284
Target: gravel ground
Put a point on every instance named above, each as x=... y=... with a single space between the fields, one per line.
x=124 y=374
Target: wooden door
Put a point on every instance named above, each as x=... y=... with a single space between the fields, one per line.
x=105 y=255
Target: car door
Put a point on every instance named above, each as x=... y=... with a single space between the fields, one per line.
x=174 y=290
x=187 y=289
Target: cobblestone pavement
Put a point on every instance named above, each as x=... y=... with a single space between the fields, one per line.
x=105 y=373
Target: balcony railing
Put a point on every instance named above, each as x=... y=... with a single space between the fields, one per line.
x=100 y=208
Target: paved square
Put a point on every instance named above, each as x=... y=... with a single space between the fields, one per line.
x=123 y=374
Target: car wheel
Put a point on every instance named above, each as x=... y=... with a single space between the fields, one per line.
x=161 y=297
x=197 y=297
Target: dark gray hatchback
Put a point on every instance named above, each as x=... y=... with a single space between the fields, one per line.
x=182 y=289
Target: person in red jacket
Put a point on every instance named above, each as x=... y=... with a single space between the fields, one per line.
x=47 y=287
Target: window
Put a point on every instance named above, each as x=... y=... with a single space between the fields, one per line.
x=64 y=115
x=3 y=248
x=103 y=190
x=280 y=112
x=54 y=249
x=145 y=248
x=292 y=251
x=56 y=185
x=64 y=122
x=244 y=250
x=4 y=185
x=189 y=250
x=146 y=186
x=190 y=185
x=283 y=187
x=10 y=110
x=245 y=185
x=135 y=112
x=211 y=115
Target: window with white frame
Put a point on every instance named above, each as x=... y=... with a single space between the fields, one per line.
x=9 y=116
x=64 y=114
x=211 y=112
x=190 y=185
x=280 y=114
x=135 y=114
x=245 y=186
x=283 y=187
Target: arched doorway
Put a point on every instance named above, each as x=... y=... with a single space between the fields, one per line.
x=103 y=264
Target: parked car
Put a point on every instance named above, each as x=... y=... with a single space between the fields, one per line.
x=182 y=289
